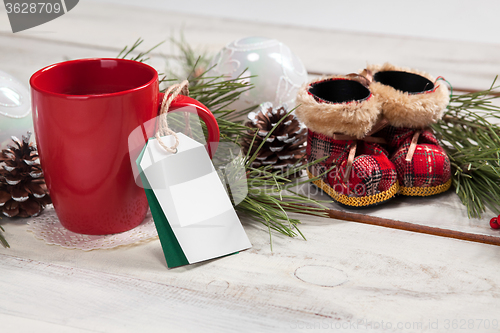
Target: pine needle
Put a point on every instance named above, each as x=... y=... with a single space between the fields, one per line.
x=270 y=198
x=466 y=132
x=471 y=139
x=2 y=238
x=141 y=56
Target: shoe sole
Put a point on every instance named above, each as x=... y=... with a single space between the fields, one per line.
x=425 y=191
x=367 y=201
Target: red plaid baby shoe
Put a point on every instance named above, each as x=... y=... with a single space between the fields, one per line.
x=411 y=101
x=341 y=115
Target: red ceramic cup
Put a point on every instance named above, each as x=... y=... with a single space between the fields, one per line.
x=83 y=113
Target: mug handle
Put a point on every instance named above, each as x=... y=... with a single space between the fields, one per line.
x=203 y=112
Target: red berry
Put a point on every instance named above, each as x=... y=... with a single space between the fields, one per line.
x=494 y=223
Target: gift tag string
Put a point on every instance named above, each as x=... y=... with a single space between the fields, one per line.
x=170 y=94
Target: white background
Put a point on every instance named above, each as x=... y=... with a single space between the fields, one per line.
x=462 y=20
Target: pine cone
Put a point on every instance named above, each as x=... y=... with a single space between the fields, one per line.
x=284 y=147
x=22 y=187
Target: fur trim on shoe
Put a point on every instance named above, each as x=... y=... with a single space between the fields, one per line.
x=408 y=100
x=324 y=106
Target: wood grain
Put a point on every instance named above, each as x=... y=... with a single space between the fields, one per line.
x=470 y=65
x=258 y=290
x=442 y=215
x=391 y=275
x=102 y=302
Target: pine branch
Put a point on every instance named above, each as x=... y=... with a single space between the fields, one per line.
x=472 y=142
x=141 y=56
x=2 y=238
x=466 y=132
x=270 y=198
x=193 y=64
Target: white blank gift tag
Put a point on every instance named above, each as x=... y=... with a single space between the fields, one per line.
x=193 y=199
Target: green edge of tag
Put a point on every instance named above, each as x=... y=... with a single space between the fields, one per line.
x=172 y=250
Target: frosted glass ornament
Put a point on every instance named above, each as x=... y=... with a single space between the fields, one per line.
x=15 y=109
x=280 y=73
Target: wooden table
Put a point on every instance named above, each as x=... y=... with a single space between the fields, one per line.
x=346 y=277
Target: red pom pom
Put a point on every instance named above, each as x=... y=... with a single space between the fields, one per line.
x=494 y=223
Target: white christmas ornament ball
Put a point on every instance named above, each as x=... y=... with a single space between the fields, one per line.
x=279 y=72
x=15 y=109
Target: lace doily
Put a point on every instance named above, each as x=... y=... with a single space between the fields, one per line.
x=48 y=228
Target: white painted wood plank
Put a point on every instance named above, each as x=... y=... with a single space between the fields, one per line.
x=431 y=278
x=387 y=17
x=111 y=303
x=21 y=57
x=391 y=275
x=464 y=64
x=25 y=325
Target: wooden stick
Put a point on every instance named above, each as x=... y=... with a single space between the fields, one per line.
x=383 y=222
x=407 y=226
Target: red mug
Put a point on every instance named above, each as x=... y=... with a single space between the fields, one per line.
x=83 y=113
